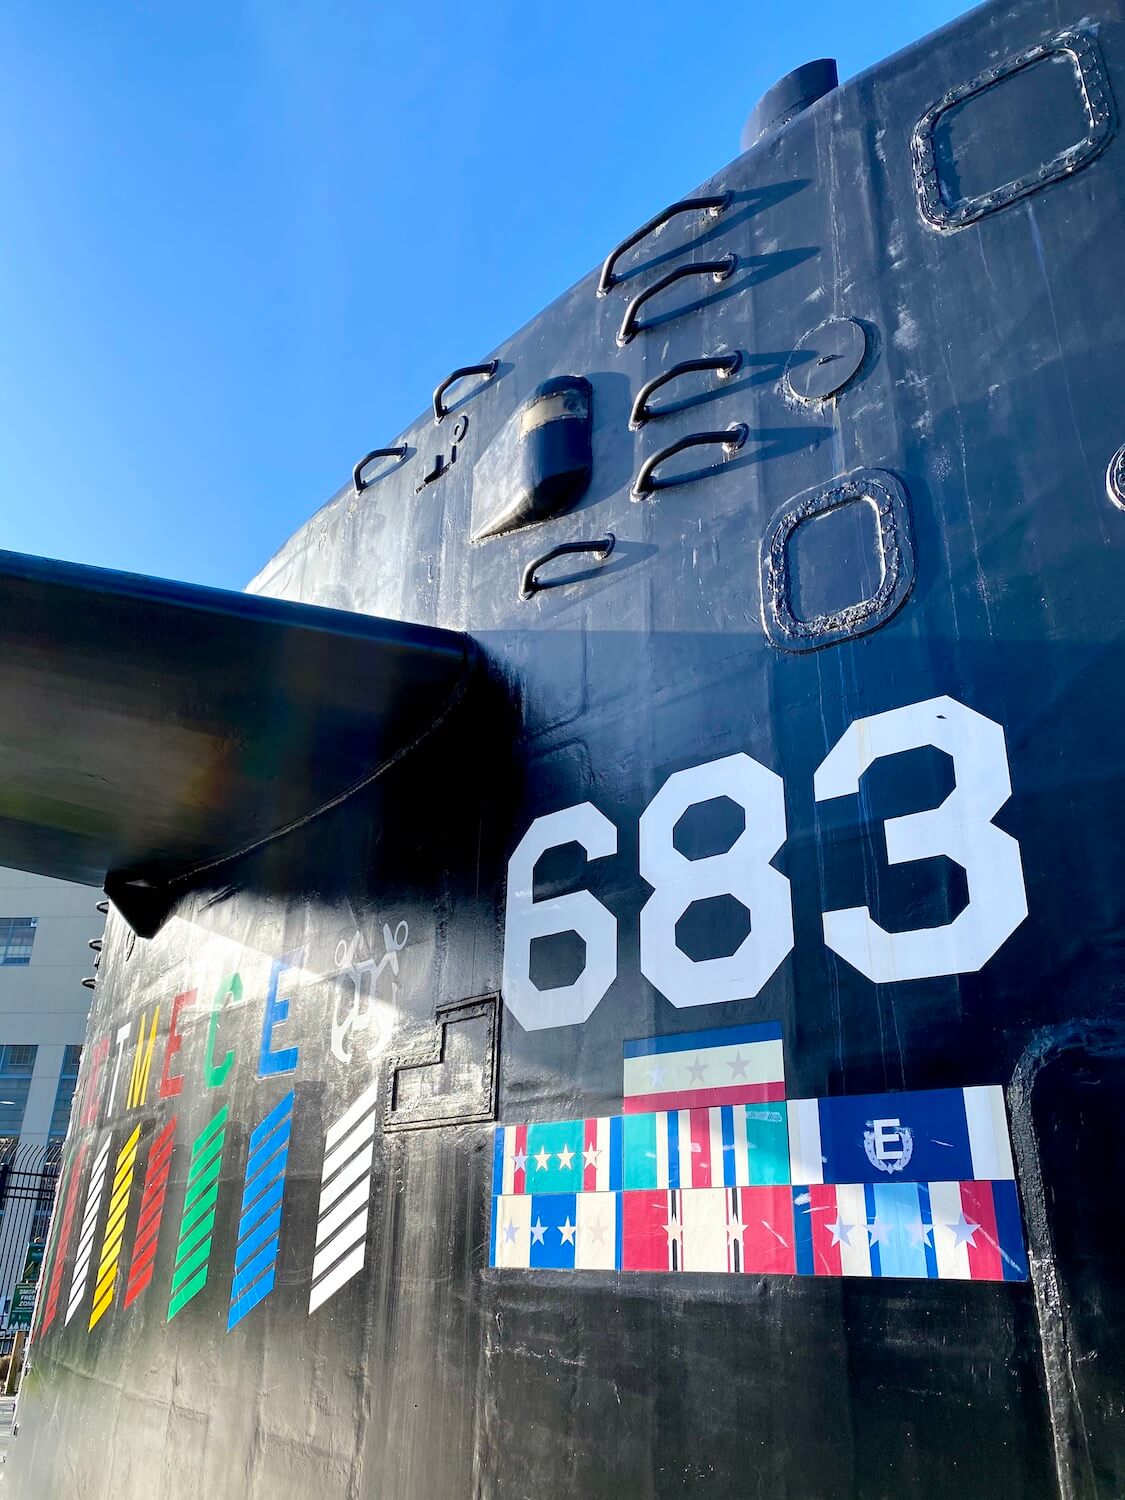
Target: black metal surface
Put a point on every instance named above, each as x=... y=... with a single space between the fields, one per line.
x=153 y=729
x=528 y=851
x=453 y=1079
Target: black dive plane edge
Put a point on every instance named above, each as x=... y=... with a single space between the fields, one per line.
x=155 y=731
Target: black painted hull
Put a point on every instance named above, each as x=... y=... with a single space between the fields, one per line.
x=989 y=391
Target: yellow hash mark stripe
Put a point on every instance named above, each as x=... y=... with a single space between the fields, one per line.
x=100 y=1307
x=111 y=1248
x=125 y=1165
x=115 y=1227
x=121 y=1195
x=117 y=1212
x=106 y=1281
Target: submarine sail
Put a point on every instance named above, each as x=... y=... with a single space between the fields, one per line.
x=614 y=978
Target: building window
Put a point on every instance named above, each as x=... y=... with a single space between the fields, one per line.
x=16 y=1067
x=64 y=1097
x=17 y=934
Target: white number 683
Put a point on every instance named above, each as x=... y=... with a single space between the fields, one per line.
x=961 y=828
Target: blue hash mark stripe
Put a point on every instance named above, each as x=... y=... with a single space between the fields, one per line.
x=1013 y=1257
x=259 y=1226
x=692 y=1041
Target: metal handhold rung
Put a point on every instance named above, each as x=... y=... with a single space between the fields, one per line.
x=719 y=269
x=530 y=585
x=487 y=369
x=725 y=364
x=730 y=441
x=714 y=204
x=358 y=481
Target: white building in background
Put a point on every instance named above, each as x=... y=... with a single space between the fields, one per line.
x=45 y=932
x=46 y=928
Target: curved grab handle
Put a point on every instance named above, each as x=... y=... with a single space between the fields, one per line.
x=714 y=204
x=488 y=369
x=358 y=481
x=103 y=907
x=88 y=984
x=726 y=364
x=719 y=269
x=731 y=441
x=530 y=585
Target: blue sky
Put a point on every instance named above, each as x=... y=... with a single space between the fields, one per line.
x=244 y=241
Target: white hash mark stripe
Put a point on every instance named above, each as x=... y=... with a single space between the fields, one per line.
x=89 y=1221
x=351 y=1233
x=352 y=1116
x=363 y=1132
x=358 y=1167
x=346 y=1186
x=332 y=1283
x=343 y=1211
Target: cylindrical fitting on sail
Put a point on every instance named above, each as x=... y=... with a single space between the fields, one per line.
x=788 y=97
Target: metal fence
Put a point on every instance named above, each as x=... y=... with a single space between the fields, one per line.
x=29 y=1177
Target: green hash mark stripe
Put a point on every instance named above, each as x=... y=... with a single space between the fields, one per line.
x=202 y=1172
x=197 y=1209
x=196 y=1261
x=198 y=1218
x=199 y=1186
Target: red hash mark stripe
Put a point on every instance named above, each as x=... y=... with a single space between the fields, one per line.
x=152 y=1210
x=63 y=1240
